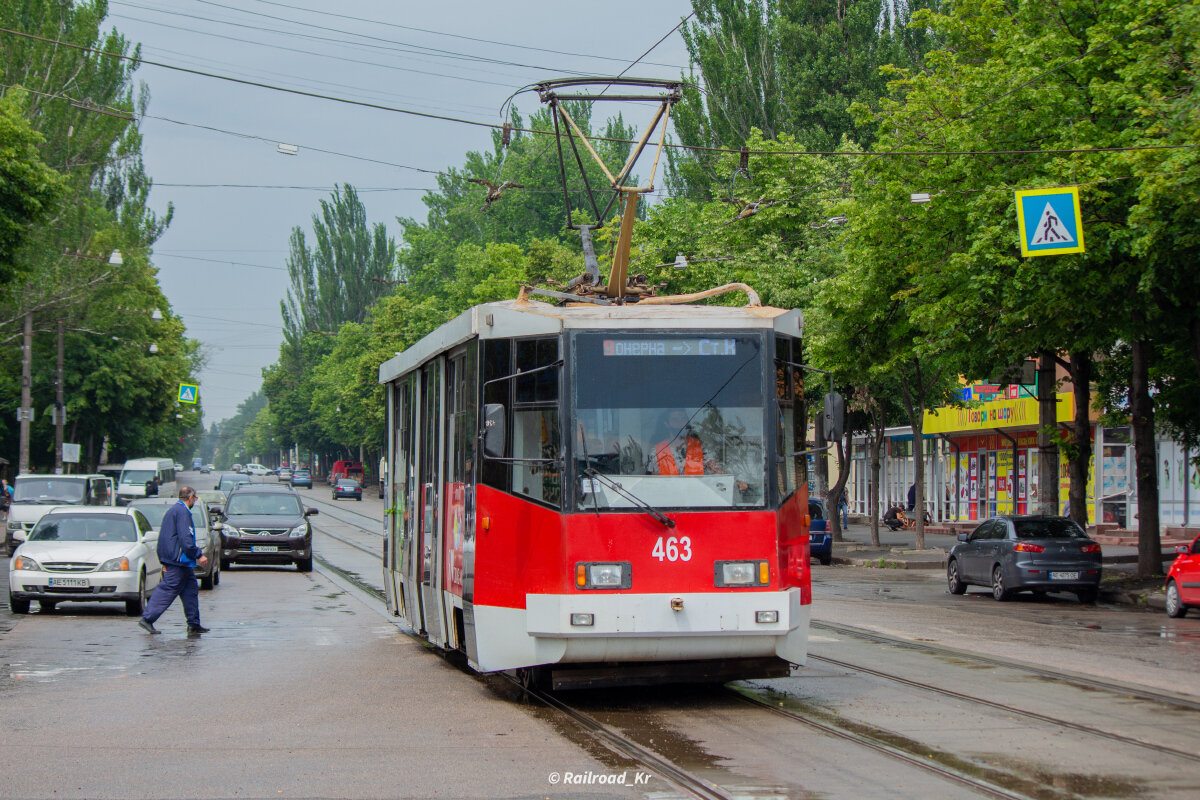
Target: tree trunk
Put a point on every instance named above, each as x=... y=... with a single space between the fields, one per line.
x=915 y=406
x=1141 y=407
x=1081 y=448
x=877 y=437
x=835 y=491
x=1047 y=426
x=26 y=395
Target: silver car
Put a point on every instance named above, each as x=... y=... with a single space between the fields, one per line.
x=1026 y=553
x=206 y=539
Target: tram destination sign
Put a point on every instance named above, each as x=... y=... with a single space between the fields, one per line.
x=670 y=347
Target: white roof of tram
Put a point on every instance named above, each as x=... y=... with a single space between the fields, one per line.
x=515 y=318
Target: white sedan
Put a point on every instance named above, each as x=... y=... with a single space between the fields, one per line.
x=257 y=470
x=86 y=554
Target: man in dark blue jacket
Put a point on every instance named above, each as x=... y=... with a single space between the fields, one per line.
x=179 y=555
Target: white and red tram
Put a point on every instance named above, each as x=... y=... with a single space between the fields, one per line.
x=608 y=494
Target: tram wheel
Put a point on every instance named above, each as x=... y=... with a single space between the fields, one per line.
x=532 y=679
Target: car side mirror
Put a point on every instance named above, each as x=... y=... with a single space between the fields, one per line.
x=964 y=537
x=217 y=526
x=1181 y=549
x=495 y=433
x=311 y=512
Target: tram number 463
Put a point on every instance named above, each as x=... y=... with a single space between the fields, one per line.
x=672 y=549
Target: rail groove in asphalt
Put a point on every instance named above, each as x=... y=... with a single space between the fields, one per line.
x=1007 y=709
x=1071 y=678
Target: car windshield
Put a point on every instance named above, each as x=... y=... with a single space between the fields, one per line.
x=1049 y=528
x=46 y=491
x=154 y=513
x=136 y=476
x=90 y=528
x=301 y=473
x=347 y=484
x=273 y=504
x=679 y=417
x=229 y=481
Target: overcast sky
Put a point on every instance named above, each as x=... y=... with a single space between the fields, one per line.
x=221 y=263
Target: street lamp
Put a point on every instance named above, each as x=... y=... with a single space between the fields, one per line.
x=115 y=259
x=153 y=348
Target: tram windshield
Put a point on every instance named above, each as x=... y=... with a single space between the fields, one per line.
x=678 y=417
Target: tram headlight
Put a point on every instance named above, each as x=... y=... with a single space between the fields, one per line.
x=742 y=573
x=603 y=576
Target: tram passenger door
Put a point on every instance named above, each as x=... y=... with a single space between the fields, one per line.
x=429 y=478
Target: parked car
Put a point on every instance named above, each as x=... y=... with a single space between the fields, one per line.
x=285 y=474
x=347 y=487
x=820 y=540
x=155 y=508
x=1183 y=579
x=266 y=524
x=227 y=481
x=86 y=554
x=1026 y=553
x=257 y=470
x=302 y=477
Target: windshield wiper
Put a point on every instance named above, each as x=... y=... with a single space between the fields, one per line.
x=628 y=495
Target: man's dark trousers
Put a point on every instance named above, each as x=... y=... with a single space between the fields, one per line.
x=178 y=582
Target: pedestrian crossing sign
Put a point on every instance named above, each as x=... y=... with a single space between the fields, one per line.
x=188 y=392
x=1049 y=221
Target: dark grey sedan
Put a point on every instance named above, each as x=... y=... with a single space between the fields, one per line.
x=1014 y=554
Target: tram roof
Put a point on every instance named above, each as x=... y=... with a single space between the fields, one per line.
x=515 y=318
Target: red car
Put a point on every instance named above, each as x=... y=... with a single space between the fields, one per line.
x=1183 y=580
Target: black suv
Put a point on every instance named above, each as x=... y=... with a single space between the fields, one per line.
x=265 y=524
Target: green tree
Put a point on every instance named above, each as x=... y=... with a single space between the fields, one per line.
x=349 y=267
x=28 y=188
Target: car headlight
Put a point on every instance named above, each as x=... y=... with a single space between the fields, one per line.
x=115 y=565
x=229 y=530
x=299 y=530
x=25 y=562
x=14 y=525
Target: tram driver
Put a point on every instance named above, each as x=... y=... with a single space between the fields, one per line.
x=679 y=449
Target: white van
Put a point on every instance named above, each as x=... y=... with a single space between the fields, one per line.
x=139 y=471
x=34 y=495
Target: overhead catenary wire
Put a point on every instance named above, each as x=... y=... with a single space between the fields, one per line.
x=498 y=126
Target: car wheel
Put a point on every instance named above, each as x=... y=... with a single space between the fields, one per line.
x=134 y=608
x=217 y=573
x=825 y=560
x=206 y=582
x=1175 y=606
x=998 y=591
x=18 y=606
x=225 y=563
x=953 y=582
x=359 y=499
x=1088 y=596
x=304 y=565
x=47 y=606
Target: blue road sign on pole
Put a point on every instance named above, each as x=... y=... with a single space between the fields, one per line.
x=188 y=392
x=1049 y=221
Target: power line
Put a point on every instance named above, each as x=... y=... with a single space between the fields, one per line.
x=457 y=36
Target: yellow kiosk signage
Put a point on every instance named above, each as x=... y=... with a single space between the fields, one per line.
x=1049 y=221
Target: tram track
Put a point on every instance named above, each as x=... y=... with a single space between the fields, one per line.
x=1072 y=679
x=375 y=531
x=1008 y=709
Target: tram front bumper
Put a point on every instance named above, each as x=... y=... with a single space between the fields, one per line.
x=643 y=627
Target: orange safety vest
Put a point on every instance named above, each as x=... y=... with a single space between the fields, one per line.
x=693 y=462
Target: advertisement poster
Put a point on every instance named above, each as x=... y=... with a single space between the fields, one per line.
x=974 y=482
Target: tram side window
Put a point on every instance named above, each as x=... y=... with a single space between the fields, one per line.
x=497 y=363
x=792 y=471
x=536 y=433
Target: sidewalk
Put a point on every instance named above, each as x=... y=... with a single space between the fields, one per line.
x=897 y=550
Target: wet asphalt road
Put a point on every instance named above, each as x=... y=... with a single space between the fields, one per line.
x=305 y=689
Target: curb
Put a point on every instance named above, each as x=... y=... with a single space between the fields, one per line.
x=883 y=562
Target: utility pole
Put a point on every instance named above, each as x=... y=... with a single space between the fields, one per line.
x=26 y=413
x=60 y=411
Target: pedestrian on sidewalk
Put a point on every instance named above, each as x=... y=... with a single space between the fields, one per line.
x=912 y=497
x=844 y=509
x=179 y=555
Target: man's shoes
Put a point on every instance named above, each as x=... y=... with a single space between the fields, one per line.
x=147 y=626
x=196 y=629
